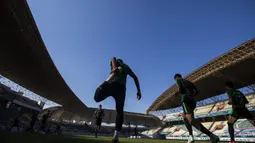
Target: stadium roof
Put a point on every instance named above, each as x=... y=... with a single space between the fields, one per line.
x=25 y=60
x=237 y=65
x=10 y=95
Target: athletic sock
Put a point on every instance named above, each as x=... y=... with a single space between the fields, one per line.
x=231 y=132
x=96 y=134
x=116 y=135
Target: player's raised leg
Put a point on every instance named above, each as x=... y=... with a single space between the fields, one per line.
x=105 y=89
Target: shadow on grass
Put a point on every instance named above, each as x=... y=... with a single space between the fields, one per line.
x=6 y=137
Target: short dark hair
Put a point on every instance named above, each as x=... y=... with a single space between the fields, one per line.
x=100 y=105
x=120 y=60
x=229 y=84
x=177 y=75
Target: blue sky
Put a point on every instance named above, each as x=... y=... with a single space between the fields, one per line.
x=155 y=38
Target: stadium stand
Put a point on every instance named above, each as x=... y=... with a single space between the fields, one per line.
x=166 y=130
x=243 y=128
x=178 y=132
x=169 y=117
x=243 y=124
x=15 y=105
x=218 y=107
x=251 y=100
x=204 y=109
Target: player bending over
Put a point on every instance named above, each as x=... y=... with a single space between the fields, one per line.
x=188 y=91
x=99 y=114
x=115 y=86
x=238 y=102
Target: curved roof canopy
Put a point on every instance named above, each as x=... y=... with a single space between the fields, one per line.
x=25 y=60
x=237 y=65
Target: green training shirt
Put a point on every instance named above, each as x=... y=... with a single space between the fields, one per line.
x=187 y=89
x=121 y=77
x=237 y=97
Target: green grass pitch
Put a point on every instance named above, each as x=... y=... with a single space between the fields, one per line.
x=38 y=138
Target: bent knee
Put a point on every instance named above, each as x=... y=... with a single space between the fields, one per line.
x=97 y=95
x=96 y=98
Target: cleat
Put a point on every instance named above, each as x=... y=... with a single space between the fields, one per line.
x=191 y=139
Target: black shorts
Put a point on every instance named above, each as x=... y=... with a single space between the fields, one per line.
x=189 y=107
x=116 y=90
x=98 y=122
x=242 y=112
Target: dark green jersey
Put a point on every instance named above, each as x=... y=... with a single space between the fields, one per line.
x=121 y=77
x=99 y=114
x=187 y=89
x=237 y=97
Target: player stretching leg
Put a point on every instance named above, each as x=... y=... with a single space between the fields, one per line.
x=188 y=91
x=115 y=86
x=238 y=102
x=99 y=114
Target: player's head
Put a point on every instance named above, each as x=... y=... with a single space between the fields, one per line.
x=119 y=62
x=177 y=76
x=100 y=106
x=229 y=85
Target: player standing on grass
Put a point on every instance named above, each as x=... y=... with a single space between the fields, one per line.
x=99 y=114
x=238 y=102
x=33 y=122
x=115 y=86
x=188 y=91
x=44 y=122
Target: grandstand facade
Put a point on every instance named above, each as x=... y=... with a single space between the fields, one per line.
x=213 y=109
x=235 y=65
x=214 y=118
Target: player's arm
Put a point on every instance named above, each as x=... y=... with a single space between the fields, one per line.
x=181 y=88
x=114 y=67
x=103 y=114
x=132 y=74
x=243 y=99
x=229 y=98
x=94 y=115
x=195 y=89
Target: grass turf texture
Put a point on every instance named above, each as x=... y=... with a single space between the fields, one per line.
x=6 y=137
